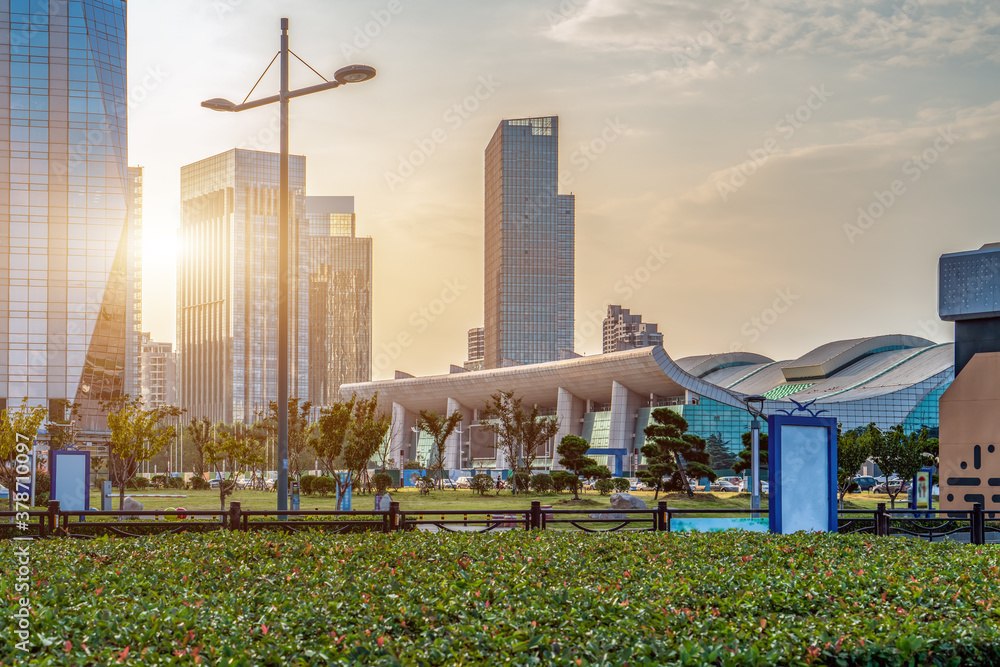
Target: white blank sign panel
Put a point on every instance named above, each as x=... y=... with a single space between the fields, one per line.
x=805 y=475
x=70 y=481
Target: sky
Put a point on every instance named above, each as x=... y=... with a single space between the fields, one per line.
x=751 y=175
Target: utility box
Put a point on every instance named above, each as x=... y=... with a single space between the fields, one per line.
x=106 y=496
x=293 y=495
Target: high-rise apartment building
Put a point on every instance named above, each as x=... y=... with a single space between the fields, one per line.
x=133 y=296
x=477 y=349
x=529 y=300
x=340 y=299
x=227 y=285
x=64 y=248
x=625 y=331
x=158 y=380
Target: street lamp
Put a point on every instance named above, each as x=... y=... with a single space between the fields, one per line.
x=755 y=406
x=345 y=75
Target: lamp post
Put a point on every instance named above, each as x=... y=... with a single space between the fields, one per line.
x=345 y=75
x=755 y=406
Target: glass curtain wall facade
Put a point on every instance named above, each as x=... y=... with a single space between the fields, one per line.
x=340 y=299
x=227 y=285
x=63 y=243
x=529 y=239
x=133 y=298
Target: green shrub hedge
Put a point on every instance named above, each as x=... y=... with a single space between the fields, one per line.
x=509 y=598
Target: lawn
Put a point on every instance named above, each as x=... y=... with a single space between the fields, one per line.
x=516 y=598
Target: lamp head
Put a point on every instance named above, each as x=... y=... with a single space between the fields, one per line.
x=354 y=74
x=218 y=104
x=755 y=404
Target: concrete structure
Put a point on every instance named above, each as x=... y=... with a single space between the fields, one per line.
x=529 y=240
x=227 y=285
x=607 y=399
x=969 y=296
x=340 y=299
x=625 y=331
x=64 y=247
x=158 y=377
x=970 y=436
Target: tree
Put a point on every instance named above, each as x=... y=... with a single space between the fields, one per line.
x=897 y=453
x=745 y=460
x=519 y=434
x=137 y=435
x=200 y=431
x=481 y=483
x=573 y=450
x=718 y=452
x=349 y=435
x=233 y=450
x=299 y=431
x=62 y=426
x=440 y=429
x=17 y=433
x=852 y=451
x=672 y=454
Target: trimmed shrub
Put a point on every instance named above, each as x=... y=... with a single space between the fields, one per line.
x=563 y=480
x=41 y=499
x=200 y=483
x=138 y=483
x=621 y=484
x=482 y=483
x=413 y=465
x=523 y=481
x=381 y=481
x=306 y=484
x=426 y=483
x=541 y=482
x=604 y=486
x=322 y=485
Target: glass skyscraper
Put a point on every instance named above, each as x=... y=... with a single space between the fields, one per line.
x=340 y=299
x=133 y=297
x=529 y=300
x=227 y=285
x=63 y=243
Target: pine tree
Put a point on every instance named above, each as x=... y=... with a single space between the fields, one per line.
x=672 y=454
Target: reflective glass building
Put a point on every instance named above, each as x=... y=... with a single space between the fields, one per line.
x=340 y=299
x=529 y=238
x=63 y=237
x=227 y=285
x=133 y=296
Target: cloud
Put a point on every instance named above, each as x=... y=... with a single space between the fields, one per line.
x=711 y=38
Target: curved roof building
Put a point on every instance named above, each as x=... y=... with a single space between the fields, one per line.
x=888 y=380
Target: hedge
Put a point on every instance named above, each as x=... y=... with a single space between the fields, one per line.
x=509 y=598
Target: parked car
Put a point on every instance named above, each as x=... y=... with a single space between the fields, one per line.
x=866 y=483
x=724 y=486
x=639 y=485
x=463 y=482
x=892 y=486
x=447 y=483
x=738 y=482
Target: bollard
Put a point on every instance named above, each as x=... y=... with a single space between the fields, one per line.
x=662 y=520
x=394 y=515
x=234 y=515
x=536 y=515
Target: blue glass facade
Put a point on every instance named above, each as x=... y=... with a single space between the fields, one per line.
x=529 y=299
x=63 y=240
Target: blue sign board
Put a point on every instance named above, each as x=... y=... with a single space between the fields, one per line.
x=802 y=473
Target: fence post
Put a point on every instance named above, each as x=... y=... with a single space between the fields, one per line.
x=53 y=510
x=394 y=516
x=536 y=514
x=978 y=528
x=881 y=527
x=661 y=516
x=234 y=515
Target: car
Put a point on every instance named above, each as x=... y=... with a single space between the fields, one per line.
x=738 y=482
x=447 y=483
x=639 y=485
x=724 y=486
x=892 y=486
x=866 y=483
x=463 y=482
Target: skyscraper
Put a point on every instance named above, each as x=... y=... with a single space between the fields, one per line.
x=133 y=295
x=227 y=285
x=625 y=331
x=477 y=350
x=529 y=300
x=340 y=299
x=158 y=381
x=64 y=244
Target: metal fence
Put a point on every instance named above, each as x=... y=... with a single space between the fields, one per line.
x=54 y=522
